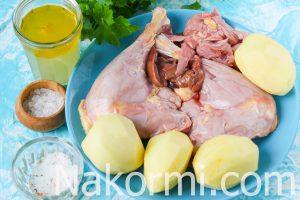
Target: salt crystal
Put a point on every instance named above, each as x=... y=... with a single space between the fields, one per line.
x=54 y=174
x=43 y=102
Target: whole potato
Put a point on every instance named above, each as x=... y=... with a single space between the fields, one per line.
x=223 y=154
x=166 y=154
x=266 y=63
x=114 y=140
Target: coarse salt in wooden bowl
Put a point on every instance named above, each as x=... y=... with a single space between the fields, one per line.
x=44 y=123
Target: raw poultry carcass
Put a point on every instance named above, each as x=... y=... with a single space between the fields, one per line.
x=165 y=82
x=123 y=87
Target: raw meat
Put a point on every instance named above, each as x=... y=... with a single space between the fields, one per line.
x=229 y=104
x=183 y=54
x=207 y=34
x=211 y=27
x=219 y=51
x=123 y=87
x=213 y=38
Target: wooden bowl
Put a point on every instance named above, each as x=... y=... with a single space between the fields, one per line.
x=41 y=124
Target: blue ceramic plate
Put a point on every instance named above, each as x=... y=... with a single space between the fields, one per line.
x=272 y=149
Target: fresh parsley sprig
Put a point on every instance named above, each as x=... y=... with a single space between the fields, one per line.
x=105 y=20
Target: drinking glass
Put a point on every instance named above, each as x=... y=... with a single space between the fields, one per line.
x=54 y=60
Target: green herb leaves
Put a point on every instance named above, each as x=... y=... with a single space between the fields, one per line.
x=194 y=6
x=105 y=19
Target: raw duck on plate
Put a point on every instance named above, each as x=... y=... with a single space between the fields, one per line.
x=183 y=82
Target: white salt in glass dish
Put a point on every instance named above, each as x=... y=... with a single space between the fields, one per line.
x=33 y=169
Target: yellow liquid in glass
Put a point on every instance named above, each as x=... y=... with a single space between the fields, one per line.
x=51 y=24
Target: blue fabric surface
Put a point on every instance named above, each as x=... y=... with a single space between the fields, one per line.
x=277 y=18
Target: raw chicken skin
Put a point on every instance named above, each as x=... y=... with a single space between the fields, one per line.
x=229 y=104
x=122 y=87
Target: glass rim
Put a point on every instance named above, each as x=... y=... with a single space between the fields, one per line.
x=62 y=41
x=53 y=139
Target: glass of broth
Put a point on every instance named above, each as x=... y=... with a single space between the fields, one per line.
x=49 y=31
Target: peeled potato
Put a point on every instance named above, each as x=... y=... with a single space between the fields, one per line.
x=266 y=63
x=166 y=153
x=114 y=140
x=223 y=154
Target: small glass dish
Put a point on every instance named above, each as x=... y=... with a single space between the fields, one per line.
x=29 y=156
